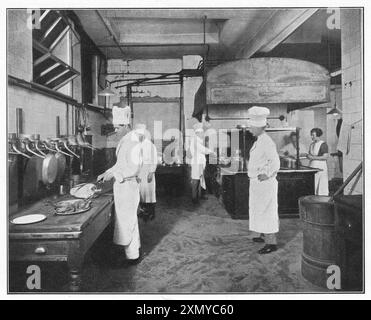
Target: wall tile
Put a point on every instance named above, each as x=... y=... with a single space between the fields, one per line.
x=355 y=152
x=355 y=55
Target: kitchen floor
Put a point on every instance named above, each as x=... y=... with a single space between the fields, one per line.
x=189 y=249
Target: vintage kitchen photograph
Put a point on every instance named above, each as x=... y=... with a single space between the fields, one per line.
x=185 y=150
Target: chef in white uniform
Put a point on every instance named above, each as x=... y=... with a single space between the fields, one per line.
x=289 y=151
x=147 y=178
x=126 y=191
x=318 y=155
x=198 y=162
x=263 y=166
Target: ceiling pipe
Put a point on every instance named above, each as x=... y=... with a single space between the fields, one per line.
x=136 y=83
x=153 y=45
x=110 y=32
x=146 y=79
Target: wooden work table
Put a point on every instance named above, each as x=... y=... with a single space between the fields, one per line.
x=60 y=238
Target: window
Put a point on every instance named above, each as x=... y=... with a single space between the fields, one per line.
x=52 y=54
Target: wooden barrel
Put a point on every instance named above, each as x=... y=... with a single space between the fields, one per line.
x=319 y=251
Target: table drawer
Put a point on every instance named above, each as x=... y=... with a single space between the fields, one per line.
x=38 y=250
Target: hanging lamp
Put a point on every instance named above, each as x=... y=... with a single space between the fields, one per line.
x=334 y=111
x=107 y=92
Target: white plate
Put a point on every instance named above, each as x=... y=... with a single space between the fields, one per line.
x=27 y=219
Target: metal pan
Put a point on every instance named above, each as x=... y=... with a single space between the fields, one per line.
x=61 y=159
x=48 y=165
x=49 y=169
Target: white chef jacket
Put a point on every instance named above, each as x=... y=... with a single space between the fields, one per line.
x=198 y=160
x=126 y=194
x=148 y=190
x=263 y=206
x=121 y=115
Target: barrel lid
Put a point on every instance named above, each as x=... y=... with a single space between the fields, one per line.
x=350 y=200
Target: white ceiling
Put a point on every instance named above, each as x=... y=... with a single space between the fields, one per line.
x=172 y=33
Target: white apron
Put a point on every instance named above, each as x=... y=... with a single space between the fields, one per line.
x=126 y=232
x=198 y=164
x=321 y=177
x=148 y=190
x=263 y=206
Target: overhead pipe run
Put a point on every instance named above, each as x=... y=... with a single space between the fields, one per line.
x=153 y=45
x=140 y=81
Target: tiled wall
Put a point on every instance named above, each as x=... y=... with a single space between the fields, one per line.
x=19 y=40
x=352 y=97
x=39 y=112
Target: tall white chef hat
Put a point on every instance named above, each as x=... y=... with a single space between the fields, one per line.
x=140 y=128
x=258 y=116
x=198 y=127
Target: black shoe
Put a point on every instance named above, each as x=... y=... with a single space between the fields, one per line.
x=133 y=262
x=258 y=239
x=204 y=198
x=268 y=248
x=195 y=201
x=122 y=263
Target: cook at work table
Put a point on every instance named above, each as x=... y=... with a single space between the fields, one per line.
x=289 y=151
x=198 y=162
x=262 y=169
x=126 y=192
x=318 y=155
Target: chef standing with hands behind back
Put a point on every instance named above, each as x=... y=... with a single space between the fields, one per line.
x=262 y=169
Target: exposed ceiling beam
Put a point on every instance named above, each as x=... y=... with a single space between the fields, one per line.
x=276 y=29
x=291 y=27
x=221 y=14
x=236 y=32
x=112 y=34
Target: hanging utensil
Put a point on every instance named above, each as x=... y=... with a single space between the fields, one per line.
x=47 y=145
x=36 y=141
x=81 y=142
x=61 y=158
x=69 y=150
x=20 y=152
x=56 y=142
x=49 y=168
x=27 y=143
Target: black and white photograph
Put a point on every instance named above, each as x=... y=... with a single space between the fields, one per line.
x=184 y=150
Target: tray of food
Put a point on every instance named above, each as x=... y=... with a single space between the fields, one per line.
x=73 y=206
